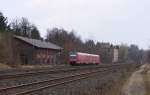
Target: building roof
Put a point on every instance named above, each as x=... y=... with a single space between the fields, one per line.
x=39 y=43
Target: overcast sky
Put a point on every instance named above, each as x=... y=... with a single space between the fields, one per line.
x=114 y=21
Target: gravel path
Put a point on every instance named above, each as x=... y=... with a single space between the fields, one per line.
x=135 y=85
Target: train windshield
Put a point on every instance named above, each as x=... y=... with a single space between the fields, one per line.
x=72 y=57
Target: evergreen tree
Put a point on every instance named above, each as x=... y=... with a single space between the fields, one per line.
x=35 y=33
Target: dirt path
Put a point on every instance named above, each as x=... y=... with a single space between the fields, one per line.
x=138 y=83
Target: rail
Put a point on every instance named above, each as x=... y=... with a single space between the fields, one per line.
x=36 y=86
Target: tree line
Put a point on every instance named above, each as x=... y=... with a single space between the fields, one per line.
x=68 y=40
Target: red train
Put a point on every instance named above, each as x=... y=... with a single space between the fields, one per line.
x=78 y=58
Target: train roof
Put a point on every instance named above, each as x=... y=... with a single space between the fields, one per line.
x=86 y=54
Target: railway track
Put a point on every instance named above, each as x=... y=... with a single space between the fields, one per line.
x=27 y=88
x=15 y=78
x=35 y=72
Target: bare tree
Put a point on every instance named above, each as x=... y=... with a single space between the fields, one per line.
x=23 y=27
x=3 y=23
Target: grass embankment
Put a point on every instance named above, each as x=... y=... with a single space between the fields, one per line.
x=146 y=77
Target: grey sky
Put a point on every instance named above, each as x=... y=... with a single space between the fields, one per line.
x=115 y=21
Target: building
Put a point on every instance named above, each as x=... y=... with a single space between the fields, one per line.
x=32 y=51
x=115 y=54
x=109 y=53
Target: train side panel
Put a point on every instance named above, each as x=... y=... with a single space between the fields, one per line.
x=83 y=58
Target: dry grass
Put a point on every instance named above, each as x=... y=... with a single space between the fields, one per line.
x=114 y=87
x=35 y=66
x=146 y=77
x=4 y=66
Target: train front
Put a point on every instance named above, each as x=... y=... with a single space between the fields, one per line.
x=72 y=58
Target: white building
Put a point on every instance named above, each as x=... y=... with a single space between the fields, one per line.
x=115 y=55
